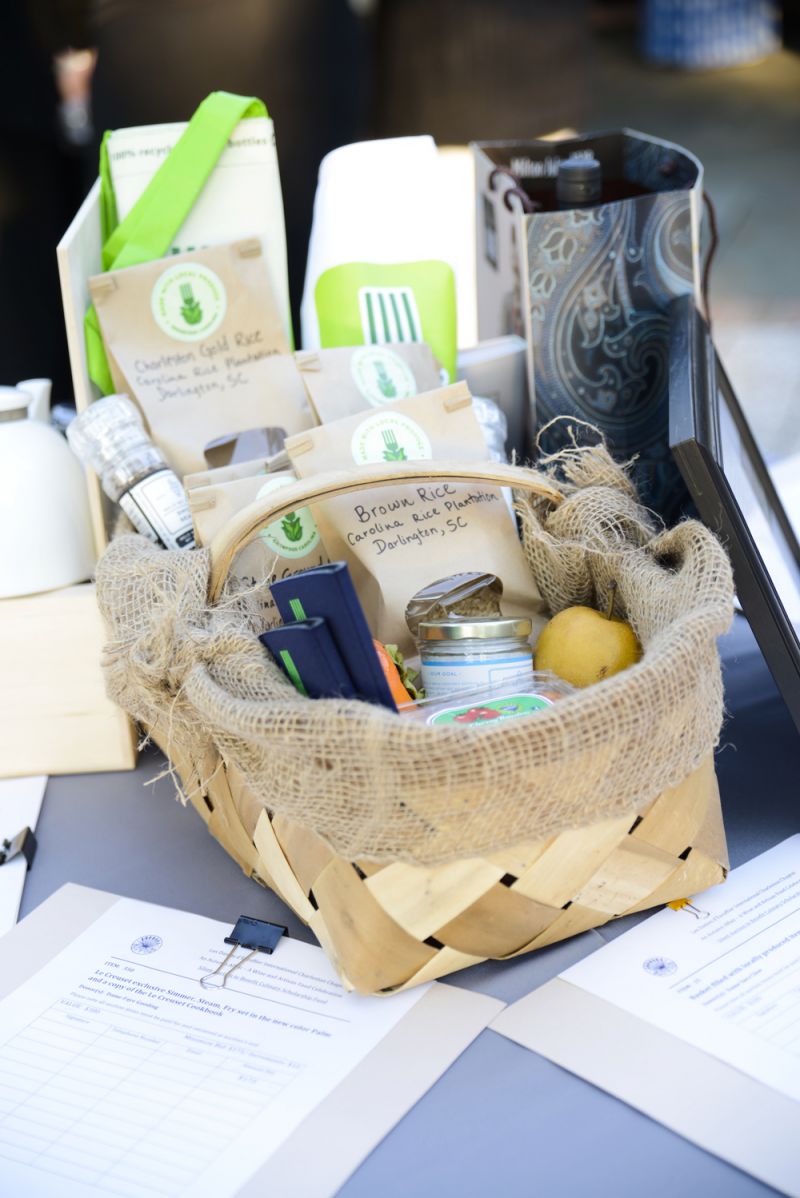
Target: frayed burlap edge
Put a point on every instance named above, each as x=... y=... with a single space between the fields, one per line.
x=377 y=786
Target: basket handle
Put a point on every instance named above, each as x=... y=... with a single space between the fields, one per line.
x=246 y=523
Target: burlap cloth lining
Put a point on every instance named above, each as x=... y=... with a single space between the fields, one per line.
x=378 y=786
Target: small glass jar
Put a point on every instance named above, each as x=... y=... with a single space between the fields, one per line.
x=110 y=438
x=464 y=654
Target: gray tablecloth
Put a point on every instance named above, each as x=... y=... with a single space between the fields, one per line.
x=502 y=1120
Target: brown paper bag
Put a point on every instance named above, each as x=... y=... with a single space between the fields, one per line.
x=197 y=341
x=398 y=540
x=279 y=549
x=227 y=474
x=343 y=381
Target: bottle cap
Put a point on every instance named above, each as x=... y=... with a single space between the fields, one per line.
x=103 y=429
x=110 y=439
x=579 y=182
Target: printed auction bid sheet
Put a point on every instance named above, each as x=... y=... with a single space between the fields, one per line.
x=721 y=972
x=122 y=1075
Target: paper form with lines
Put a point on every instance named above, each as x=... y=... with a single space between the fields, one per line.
x=721 y=973
x=121 y=1075
x=693 y=1018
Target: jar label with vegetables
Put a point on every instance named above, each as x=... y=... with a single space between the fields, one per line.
x=507 y=707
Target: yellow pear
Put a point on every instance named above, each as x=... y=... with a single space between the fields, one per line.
x=583 y=646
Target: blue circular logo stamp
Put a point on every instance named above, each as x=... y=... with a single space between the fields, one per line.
x=149 y=943
x=660 y=967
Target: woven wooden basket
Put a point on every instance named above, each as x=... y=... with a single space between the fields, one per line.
x=387 y=927
x=390 y=926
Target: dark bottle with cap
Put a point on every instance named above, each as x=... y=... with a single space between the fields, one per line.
x=580 y=184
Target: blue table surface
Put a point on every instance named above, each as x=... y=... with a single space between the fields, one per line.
x=502 y=1119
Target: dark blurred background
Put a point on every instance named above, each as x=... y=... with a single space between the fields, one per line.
x=334 y=71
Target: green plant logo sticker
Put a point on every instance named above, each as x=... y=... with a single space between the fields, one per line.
x=295 y=534
x=188 y=302
x=508 y=707
x=389 y=437
x=381 y=375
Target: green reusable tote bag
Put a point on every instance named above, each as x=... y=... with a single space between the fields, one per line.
x=149 y=229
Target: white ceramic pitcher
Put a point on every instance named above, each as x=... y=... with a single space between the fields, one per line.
x=45 y=528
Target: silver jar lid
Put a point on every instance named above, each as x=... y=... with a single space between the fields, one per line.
x=485 y=628
x=434 y=601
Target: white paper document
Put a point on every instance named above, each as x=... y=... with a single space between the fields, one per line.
x=702 y=1001
x=122 y=1075
x=20 y=804
x=723 y=972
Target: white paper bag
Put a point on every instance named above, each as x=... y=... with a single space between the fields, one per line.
x=379 y=261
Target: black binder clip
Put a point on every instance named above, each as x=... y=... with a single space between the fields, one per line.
x=24 y=842
x=254 y=934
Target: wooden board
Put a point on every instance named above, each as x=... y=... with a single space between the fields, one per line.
x=54 y=714
x=79 y=257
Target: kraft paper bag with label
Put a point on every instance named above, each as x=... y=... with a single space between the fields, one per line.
x=226 y=474
x=398 y=540
x=343 y=381
x=279 y=549
x=197 y=340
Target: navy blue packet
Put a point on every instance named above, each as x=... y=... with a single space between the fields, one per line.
x=328 y=592
x=308 y=656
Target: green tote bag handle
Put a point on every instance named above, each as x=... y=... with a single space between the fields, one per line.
x=149 y=229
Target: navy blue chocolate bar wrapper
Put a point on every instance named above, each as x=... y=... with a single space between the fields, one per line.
x=599 y=284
